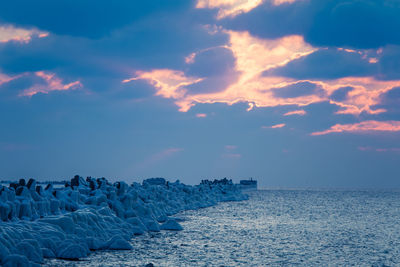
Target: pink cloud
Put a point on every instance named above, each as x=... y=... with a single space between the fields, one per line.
x=52 y=83
x=277 y=126
x=10 y=33
x=5 y=78
x=168 y=83
x=363 y=127
x=300 y=112
x=201 y=115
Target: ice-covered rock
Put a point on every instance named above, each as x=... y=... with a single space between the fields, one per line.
x=171 y=225
x=71 y=252
x=93 y=214
x=117 y=242
x=15 y=260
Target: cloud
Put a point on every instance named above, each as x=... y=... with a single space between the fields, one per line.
x=253 y=57
x=10 y=33
x=169 y=83
x=389 y=62
x=233 y=8
x=101 y=63
x=325 y=23
x=363 y=127
x=201 y=115
x=328 y=64
x=297 y=90
x=5 y=78
x=277 y=126
x=229 y=8
x=390 y=101
x=92 y=19
x=52 y=83
x=341 y=94
x=300 y=112
x=335 y=24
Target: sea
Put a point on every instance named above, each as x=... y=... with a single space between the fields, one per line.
x=273 y=228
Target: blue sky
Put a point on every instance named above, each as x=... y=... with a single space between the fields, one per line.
x=295 y=93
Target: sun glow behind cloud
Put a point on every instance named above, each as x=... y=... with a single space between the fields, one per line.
x=232 y=8
x=229 y=7
x=253 y=56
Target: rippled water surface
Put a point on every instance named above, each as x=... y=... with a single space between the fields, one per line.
x=274 y=228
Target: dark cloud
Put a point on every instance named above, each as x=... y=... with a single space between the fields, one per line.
x=350 y=23
x=268 y=21
x=391 y=102
x=101 y=64
x=389 y=63
x=212 y=62
x=297 y=89
x=89 y=18
x=341 y=93
x=217 y=67
x=12 y=88
x=326 y=64
x=356 y=23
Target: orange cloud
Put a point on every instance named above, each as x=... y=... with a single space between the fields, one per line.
x=300 y=112
x=11 y=33
x=53 y=83
x=363 y=127
x=201 y=115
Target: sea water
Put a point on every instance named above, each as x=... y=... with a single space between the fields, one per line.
x=274 y=228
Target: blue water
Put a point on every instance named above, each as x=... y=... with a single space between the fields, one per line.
x=275 y=228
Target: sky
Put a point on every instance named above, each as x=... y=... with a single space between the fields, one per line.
x=294 y=93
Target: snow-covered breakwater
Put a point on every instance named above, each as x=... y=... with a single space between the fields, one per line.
x=94 y=214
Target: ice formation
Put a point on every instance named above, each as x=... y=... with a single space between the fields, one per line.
x=93 y=214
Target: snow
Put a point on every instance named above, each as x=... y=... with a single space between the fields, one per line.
x=93 y=214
